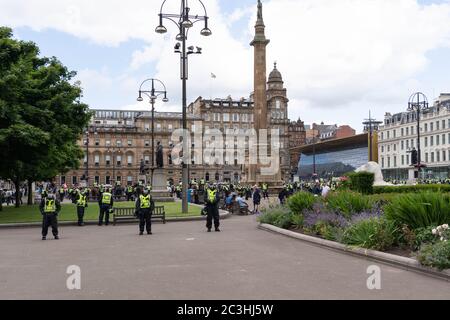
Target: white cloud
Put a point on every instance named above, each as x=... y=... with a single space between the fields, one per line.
x=338 y=58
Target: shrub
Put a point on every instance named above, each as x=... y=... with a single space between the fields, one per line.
x=349 y=203
x=297 y=220
x=278 y=216
x=301 y=201
x=424 y=236
x=374 y=233
x=444 y=188
x=435 y=255
x=362 y=182
x=419 y=210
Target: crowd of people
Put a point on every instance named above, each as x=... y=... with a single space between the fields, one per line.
x=8 y=195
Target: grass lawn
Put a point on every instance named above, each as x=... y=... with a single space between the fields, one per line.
x=69 y=212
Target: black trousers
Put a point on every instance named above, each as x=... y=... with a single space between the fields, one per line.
x=80 y=213
x=145 y=220
x=49 y=220
x=212 y=214
x=104 y=212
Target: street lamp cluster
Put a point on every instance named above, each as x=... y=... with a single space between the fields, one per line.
x=184 y=21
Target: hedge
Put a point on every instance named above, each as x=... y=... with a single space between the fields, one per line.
x=412 y=189
x=362 y=182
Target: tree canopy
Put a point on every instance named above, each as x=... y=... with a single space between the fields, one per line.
x=41 y=115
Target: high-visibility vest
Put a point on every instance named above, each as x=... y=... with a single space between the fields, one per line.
x=212 y=196
x=130 y=189
x=106 y=198
x=50 y=206
x=81 y=202
x=145 y=201
x=61 y=190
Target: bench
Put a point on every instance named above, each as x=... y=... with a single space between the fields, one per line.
x=121 y=214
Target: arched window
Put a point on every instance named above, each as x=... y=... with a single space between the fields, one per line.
x=217 y=176
x=207 y=176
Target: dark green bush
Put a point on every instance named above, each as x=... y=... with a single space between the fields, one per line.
x=278 y=216
x=419 y=210
x=444 y=188
x=348 y=203
x=362 y=182
x=301 y=201
x=435 y=255
x=374 y=233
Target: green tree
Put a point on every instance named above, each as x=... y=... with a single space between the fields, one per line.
x=41 y=116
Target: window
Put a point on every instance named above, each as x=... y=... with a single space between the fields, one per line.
x=158 y=127
x=119 y=143
x=389 y=148
x=437 y=140
x=444 y=156
x=412 y=130
x=407 y=144
x=395 y=133
x=119 y=160
x=432 y=157
x=147 y=127
x=437 y=125
x=74 y=179
x=108 y=160
x=97 y=142
x=426 y=127
x=226 y=117
x=407 y=159
x=388 y=135
x=443 y=139
x=129 y=180
x=107 y=180
x=63 y=179
x=438 y=156
x=97 y=179
x=443 y=124
x=147 y=143
x=431 y=126
x=382 y=162
x=431 y=141
x=108 y=143
x=407 y=131
x=402 y=145
x=85 y=159
x=403 y=132
x=97 y=160
x=395 y=161
x=216 y=116
x=119 y=179
x=130 y=160
x=389 y=162
x=426 y=141
x=130 y=142
x=395 y=147
x=426 y=156
x=403 y=160
x=382 y=136
x=170 y=127
x=147 y=159
x=235 y=117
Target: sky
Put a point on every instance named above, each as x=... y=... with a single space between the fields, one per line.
x=339 y=58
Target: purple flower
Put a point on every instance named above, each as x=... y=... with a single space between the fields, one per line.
x=312 y=218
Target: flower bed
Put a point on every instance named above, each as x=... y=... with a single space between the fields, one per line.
x=403 y=224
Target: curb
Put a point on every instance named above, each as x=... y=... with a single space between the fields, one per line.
x=398 y=261
x=223 y=215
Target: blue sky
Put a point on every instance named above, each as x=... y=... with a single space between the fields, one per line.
x=328 y=79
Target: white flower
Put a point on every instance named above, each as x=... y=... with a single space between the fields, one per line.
x=434 y=231
x=439 y=229
x=442 y=238
x=445 y=226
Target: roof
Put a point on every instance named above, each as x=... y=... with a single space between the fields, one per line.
x=359 y=140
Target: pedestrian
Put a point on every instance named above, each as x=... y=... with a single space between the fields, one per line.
x=106 y=203
x=256 y=199
x=50 y=208
x=62 y=193
x=144 y=209
x=325 y=190
x=82 y=204
x=212 y=208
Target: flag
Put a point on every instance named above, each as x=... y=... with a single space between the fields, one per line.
x=213 y=75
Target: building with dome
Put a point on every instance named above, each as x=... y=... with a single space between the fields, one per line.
x=117 y=142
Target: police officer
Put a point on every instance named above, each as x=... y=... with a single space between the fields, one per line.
x=129 y=193
x=106 y=203
x=212 y=208
x=144 y=209
x=50 y=208
x=62 y=192
x=81 y=205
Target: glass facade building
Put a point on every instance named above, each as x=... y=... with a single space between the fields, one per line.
x=334 y=158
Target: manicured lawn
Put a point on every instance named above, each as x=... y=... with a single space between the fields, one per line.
x=69 y=212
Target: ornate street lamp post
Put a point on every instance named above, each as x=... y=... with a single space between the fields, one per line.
x=153 y=94
x=184 y=21
x=418 y=103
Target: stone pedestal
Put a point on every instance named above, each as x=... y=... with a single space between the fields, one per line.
x=412 y=174
x=159 y=187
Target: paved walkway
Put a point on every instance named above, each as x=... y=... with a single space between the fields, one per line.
x=182 y=261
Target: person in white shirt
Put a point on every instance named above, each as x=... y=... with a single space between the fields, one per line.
x=325 y=190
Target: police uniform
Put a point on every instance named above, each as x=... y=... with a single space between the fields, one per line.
x=144 y=209
x=212 y=209
x=81 y=205
x=50 y=207
x=106 y=203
